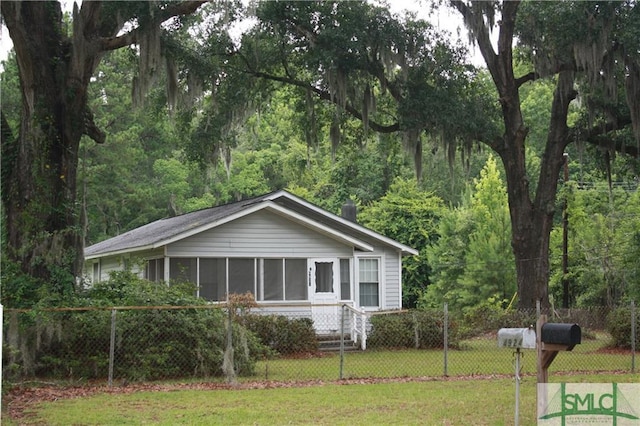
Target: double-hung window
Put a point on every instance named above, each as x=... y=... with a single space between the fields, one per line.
x=369 y=279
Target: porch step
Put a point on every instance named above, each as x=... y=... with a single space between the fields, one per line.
x=331 y=343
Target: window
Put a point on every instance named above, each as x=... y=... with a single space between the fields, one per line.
x=324 y=277
x=183 y=269
x=345 y=279
x=154 y=270
x=96 y=272
x=242 y=276
x=272 y=279
x=369 y=282
x=295 y=279
x=213 y=279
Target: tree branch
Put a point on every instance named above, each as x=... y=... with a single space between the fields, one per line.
x=474 y=22
x=91 y=129
x=525 y=78
x=131 y=37
x=326 y=96
x=595 y=135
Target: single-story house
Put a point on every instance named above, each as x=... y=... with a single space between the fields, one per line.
x=295 y=258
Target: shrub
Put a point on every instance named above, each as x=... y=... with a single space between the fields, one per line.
x=150 y=343
x=489 y=317
x=619 y=326
x=283 y=335
x=415 y=329
x=155 y=344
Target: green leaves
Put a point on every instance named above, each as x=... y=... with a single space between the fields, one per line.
x=473 y=261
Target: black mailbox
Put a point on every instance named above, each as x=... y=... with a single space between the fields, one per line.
x=561 y=334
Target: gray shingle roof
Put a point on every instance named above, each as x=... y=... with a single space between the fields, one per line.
x=161 y=230
x=156 y=233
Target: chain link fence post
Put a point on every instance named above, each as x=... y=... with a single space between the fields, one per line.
x=634 y=331
x=1 y=345
x=342 y=341
x=446 y=338
x=112 y=346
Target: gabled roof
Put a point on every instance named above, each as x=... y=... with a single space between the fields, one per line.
x=165 y=231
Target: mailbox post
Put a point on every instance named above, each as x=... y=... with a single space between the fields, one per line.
x=517 y=338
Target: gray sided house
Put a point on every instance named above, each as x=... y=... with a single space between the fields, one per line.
x=296 y=259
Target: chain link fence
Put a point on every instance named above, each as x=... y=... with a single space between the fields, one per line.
x=217 y=343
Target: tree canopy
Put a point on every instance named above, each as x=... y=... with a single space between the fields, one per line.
x=322 y=98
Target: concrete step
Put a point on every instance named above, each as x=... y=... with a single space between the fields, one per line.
x=332 y=344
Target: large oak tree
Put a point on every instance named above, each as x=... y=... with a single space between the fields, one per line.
x=400 y=75
x=42 y=218
x=583 y=47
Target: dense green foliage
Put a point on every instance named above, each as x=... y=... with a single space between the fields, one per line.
x=472 y=260
x=285 y=336
x=619 y=326
x=411 y=216
x=151 y=343
x=244 y=136
x=420 y=329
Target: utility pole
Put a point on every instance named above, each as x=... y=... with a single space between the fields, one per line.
x=565 y=237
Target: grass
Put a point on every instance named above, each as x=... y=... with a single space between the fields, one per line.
x=459 y=399
x=451 y=402
x=475 y=357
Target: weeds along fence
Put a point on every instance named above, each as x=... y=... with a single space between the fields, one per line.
x=214 y=343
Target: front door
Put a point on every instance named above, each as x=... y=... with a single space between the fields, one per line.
x=324 y=285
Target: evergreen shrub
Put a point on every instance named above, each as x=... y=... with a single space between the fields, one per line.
x=285 y=336
x=619 y=327
x=151 y=343
x=420 y=329
x=489 y=317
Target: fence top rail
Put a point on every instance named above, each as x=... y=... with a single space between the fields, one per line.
x=117 y=308
x=216 y=305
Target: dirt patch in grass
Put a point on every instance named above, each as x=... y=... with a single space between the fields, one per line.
x=613 y=350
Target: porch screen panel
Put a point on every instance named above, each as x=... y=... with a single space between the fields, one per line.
x=242 y=276
x=213 y=279
x=324 y=277
x=154 y=270
x=183 y=269
x=345 y=280
x=96 y=272
x=295 y=279
x=273 y=279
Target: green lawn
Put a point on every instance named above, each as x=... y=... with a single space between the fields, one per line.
x=468 y=396
x=449 y=402
x=474 y=357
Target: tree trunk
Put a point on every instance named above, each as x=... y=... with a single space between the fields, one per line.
x=531 y=220
x=43 y=231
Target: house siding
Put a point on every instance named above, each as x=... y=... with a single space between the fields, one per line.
x=392 y=284
x=110 y=264
x=262 y=234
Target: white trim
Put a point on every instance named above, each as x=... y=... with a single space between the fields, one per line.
x=270 y=205
x=400 y=284
x=120 y=252
x=404 y=248
x=381 y=283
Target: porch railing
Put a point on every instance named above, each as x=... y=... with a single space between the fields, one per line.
x=358 y=325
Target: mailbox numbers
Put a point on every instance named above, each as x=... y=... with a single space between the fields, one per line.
x=512 y=343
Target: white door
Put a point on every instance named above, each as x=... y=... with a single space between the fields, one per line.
x=324 y=285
